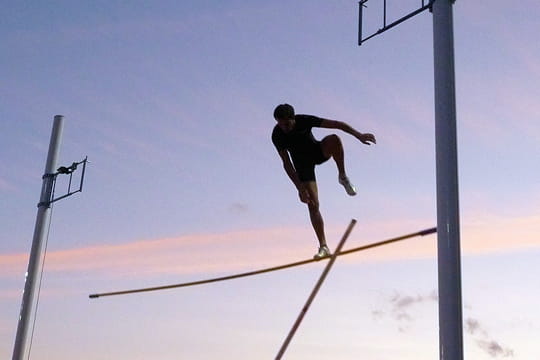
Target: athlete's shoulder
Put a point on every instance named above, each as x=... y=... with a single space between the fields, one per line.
x=308 y=120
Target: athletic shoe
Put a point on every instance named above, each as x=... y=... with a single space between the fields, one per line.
x=349 y=188
x=322 y=253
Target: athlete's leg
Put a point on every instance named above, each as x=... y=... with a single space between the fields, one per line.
x=331 y=147
x=314 y=213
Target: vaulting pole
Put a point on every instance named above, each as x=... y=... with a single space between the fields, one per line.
x=42 y=222
x=315 y=291
x=448 y=241
x=266 y=270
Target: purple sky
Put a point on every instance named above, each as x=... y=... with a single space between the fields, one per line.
x=172 y=102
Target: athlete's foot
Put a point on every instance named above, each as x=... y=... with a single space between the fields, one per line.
x=322 y=253
x=349 y=188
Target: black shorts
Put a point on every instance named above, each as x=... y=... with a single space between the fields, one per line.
x=305 y=165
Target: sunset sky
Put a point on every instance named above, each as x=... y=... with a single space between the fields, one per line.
x=172 y=103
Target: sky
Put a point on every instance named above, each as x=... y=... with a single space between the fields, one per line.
x=172 y=103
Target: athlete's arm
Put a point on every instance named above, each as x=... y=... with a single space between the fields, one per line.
x=334 y=124
x=291 y=172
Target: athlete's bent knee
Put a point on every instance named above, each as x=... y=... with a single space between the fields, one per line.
x=331 y=145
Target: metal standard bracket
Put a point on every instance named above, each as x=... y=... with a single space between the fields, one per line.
x=426 y=4
x=63 y=170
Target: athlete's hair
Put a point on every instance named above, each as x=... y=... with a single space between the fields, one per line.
x=284 y=111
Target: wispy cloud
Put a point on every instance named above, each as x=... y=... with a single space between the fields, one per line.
x=239 y=208
x=484 y=341
x=494 y=349
x=403 y=310
x=402 y=305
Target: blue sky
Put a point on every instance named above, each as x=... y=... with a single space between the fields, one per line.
x=172 y=102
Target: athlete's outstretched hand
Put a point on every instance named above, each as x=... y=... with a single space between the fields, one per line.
x=367 y=138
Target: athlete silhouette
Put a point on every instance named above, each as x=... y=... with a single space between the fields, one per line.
x=300 y=152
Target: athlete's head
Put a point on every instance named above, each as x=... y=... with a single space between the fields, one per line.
x=283 y=111
x=284 y=115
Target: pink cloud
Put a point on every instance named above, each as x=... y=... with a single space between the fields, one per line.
x=181 y=255
x=254 y=249
x=501 y=234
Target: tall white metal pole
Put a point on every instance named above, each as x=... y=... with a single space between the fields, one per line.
x=449 y=257
x=40 y=230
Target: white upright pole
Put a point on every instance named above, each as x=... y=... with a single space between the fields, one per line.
x=449 y=262
x=40 y=230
